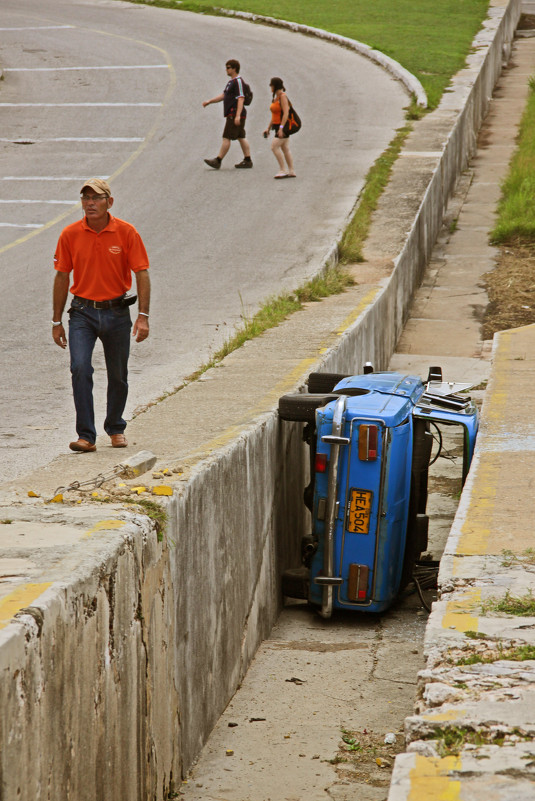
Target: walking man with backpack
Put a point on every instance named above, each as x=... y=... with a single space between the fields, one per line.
x=235 y=96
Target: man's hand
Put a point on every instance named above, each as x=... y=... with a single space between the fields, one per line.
x=141 y=328
x=237 y=120
x=58 y=335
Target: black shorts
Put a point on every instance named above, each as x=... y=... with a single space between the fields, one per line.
x=233 y=131
x=275 y=127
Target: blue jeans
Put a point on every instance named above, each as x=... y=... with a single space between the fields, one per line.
x=112 y=327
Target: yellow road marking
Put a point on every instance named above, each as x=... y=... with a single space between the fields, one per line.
x=429 y=779
x=105 y=525
x=19 y=599
x=459 y=615
x=131 y=158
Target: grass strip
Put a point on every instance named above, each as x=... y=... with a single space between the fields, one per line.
x=278 y=308
x=516 y=208
x=332 y=281
x=350 y=250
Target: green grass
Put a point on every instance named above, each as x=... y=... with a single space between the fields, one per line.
x=277 y=308
x=274 y=311
x=430 y=39
x=522 y=607
x=516 y=209
x=520 y=653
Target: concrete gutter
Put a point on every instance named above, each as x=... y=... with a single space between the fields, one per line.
x=159 y=634
x=473 y=734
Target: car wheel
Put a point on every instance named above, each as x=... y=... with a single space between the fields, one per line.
x=324 y=382
x=302 y=407
x=295 y=582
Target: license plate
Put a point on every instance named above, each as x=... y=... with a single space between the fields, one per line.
x=358 y=517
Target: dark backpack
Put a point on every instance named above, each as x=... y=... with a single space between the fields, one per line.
x=247 y=93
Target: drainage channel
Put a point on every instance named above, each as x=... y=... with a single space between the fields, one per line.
x=320 y=712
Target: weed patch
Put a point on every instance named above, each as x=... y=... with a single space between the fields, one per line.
x=511 y=605
x=520 y=653
x=527 y=557
x=275 y=310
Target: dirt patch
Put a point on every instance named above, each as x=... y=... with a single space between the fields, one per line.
x=526 y=22
x=318 y=647
x=511 y=290
x=364 y=757
x=446 y=486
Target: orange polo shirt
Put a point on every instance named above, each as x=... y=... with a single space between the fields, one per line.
x=102 y=264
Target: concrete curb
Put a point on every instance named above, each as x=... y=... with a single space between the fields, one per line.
x=196 y=606
x=474 y=728
x=410 y=81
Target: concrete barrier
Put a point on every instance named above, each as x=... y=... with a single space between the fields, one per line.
x=126 y=649
x=472 y=734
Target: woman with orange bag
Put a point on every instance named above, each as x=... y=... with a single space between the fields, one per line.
x=280 y=110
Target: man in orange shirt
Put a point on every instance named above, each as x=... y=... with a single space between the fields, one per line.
x=101 y=252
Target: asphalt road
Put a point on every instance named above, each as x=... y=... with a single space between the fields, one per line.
x=99 y=87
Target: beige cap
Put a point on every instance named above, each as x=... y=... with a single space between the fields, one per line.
x=99 y=185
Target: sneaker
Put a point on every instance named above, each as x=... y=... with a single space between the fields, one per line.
x=214 y=163
x=246 y=164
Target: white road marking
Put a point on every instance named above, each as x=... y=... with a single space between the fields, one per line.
x=21 y=225
x=47 y=177
x=61 y=202
x=75 y=139
x=64 y=69
x=39 y=28
x=73 y=105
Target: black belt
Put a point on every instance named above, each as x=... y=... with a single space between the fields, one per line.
x=107 y=304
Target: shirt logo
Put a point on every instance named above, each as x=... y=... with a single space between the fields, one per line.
x=115 y=249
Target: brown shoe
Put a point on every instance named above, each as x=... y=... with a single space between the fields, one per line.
x=118 y=441
x=82 y=446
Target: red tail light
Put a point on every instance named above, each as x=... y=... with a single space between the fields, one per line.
x=368 y=436
x=321 y=463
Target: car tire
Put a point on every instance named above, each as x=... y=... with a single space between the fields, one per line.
x=301 y=407
x=295 y=582
x=324 y=382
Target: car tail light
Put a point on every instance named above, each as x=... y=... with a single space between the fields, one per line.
x=368 y=436
x=358 y=582
x=320 y=462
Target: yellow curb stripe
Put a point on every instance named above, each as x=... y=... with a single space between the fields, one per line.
x=478 y=525
x=105 y=525
x=445 y=717
x=19 y=599
x=351 y=318
x=458 y=614
x=429 y=779
x=288 y=382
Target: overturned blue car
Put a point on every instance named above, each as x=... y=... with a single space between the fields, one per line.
x=372 y=438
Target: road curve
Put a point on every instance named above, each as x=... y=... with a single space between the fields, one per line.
x=109 y=88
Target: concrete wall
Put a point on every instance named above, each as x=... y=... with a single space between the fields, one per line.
x=114 y=676
x=88 y=705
